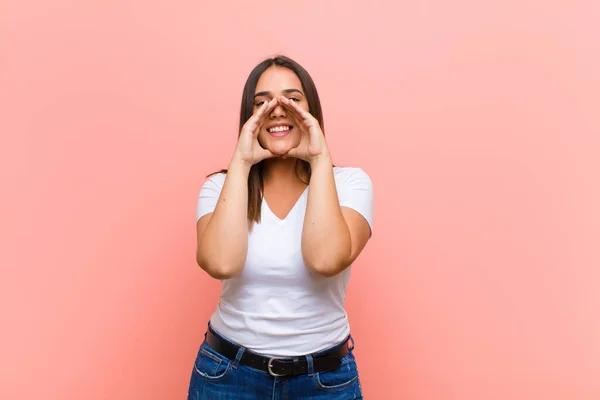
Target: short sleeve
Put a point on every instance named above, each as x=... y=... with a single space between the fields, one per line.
x=209 y=195
x=355 y=191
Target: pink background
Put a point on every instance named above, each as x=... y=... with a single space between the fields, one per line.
x=478 y=122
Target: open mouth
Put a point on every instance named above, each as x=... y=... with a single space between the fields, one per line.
x=280 y=129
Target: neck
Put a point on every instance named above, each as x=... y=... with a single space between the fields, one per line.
x=278 y=170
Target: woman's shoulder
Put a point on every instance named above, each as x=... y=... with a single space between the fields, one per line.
x=343 y=174
x=347 y=169
x=216 y=178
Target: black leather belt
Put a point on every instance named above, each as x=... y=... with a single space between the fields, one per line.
x=292 y=366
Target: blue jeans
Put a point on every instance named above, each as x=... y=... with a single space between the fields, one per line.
x=216 y=377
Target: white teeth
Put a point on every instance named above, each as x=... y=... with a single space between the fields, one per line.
x=279 y=129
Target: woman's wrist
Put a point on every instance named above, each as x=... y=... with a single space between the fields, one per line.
x=323 y=160
x=237 y=164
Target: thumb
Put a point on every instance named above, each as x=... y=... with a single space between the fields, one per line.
x=291 y=153
x=264 y=153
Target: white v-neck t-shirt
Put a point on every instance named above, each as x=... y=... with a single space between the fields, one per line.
x=276 y=306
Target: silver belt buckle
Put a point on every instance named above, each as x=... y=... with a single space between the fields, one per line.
x=270 y=368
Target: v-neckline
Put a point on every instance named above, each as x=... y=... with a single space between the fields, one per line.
x=281 y=220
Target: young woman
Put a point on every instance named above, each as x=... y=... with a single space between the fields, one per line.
x=280 y=228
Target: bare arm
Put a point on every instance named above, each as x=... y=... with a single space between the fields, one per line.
x=332 y=236
x=223 y=234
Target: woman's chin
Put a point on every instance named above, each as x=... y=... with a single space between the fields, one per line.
x=280 y=149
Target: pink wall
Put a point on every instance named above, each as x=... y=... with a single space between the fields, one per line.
x=478 y=122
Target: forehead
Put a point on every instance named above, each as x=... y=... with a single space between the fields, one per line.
x=276 y=79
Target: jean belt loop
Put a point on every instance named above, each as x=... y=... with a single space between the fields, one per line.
x=351 y=340
x=311 y=366
x=238 y=357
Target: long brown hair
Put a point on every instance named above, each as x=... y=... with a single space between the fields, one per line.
x=302 y=168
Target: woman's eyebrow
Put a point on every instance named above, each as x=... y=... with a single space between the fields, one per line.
x=286 y=91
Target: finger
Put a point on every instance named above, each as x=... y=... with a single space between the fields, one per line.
x=295 y=116
x=261 y=111
x=272 y=104
x=251 y=123
x=266 y=108
x=287 y=103
x=264 y=153
x=262 y=118
x=293 y=153
x=301 y=114
x=256 y=120
x=302 y=118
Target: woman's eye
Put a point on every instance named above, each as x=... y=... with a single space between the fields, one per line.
x=260 y=103
x=294 y=99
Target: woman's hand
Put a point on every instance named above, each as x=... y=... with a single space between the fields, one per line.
x=312 y=144
x=248 y=150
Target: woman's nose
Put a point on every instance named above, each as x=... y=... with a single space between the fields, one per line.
x=278 y=111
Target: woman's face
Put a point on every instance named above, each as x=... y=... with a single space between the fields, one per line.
x=279 y=133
